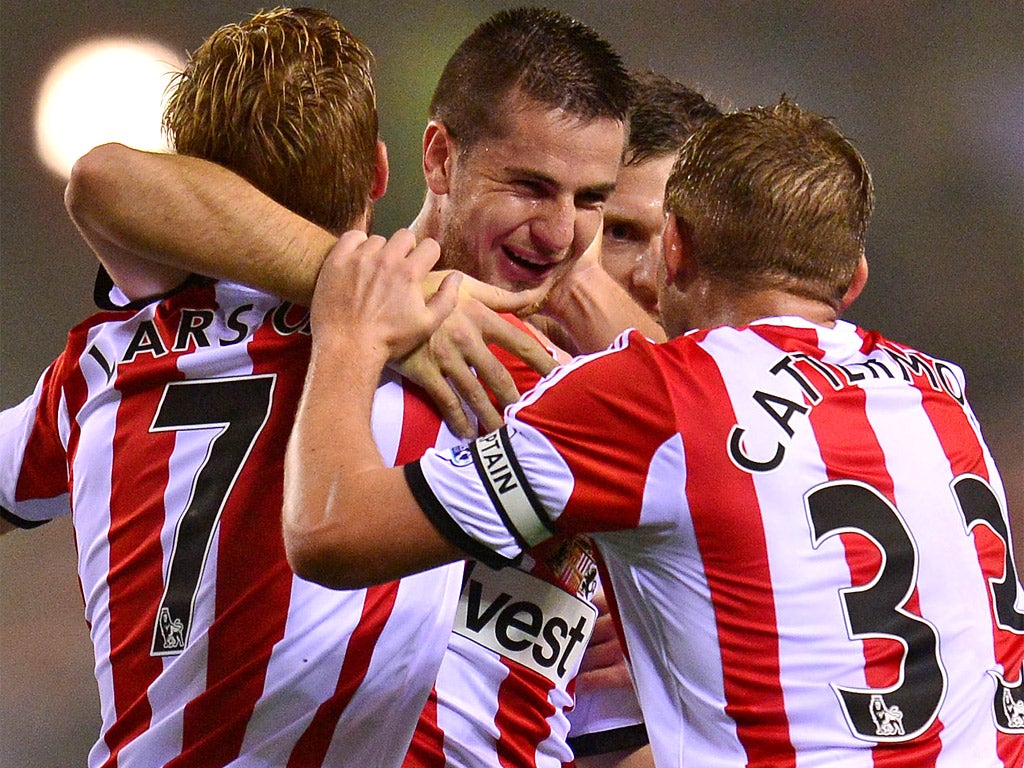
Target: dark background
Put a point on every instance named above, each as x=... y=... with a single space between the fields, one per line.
x=931 y=92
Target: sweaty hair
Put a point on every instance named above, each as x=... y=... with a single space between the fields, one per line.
x=664 y=115
x=773 y=197
x=286 y=100
x=540 y=54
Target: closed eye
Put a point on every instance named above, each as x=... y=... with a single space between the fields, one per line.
x=594 y=199
x=530 y=188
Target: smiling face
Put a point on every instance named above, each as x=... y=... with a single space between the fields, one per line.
x=634 y=218
x=517 y=210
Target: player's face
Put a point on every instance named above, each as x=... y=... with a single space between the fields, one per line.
x=634 y=218
x=522 y=207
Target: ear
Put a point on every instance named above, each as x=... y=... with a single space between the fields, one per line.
x=860 y=278
x=676 y=249
x=380 y=172
x=438 y=153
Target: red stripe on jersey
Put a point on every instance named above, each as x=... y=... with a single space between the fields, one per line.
x=749 y=640
x=963 y=449
x=76 y=393
x=521 y=719
x=254 y=581
x=44 y=470
x=137 y=513
x=420 y=426
x=311 y=749
x=427 y=747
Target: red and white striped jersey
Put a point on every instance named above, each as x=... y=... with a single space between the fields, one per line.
x=505 y=693
x=162 y=428
x=806 y=535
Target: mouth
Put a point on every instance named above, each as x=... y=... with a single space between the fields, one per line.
x=529 y=267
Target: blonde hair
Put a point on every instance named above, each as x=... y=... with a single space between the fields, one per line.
x=773 y=197
x=285 y=99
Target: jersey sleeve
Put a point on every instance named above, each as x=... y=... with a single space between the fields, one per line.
x=33 y=458
x=573 y=457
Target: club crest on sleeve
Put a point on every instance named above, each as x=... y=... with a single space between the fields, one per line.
x=459 y=456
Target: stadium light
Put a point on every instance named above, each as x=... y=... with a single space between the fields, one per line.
x=111 y=89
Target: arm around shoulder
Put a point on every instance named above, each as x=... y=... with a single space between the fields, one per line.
x=153 y=218
x=98 y=199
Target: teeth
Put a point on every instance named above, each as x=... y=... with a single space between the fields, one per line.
x=536 y=266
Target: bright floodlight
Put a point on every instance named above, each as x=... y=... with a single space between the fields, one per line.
x=106 y=90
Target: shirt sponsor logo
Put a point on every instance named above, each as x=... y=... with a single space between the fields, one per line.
x=526 y=620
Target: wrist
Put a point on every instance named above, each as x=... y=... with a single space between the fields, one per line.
x=347 y=354
x=567 y=296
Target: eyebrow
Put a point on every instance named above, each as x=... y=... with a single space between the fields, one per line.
x=603 y=190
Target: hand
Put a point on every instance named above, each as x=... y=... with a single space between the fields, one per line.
x=558 y=303
x=371 y=289
x=604 y=664
x=456 y=364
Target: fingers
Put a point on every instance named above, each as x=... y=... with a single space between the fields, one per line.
x=447 y=296
x=499 y=299
x=421 y=256
x=440 y=392
x=465 y=361
x=496 y=330
x=371 y=286
x=349 y=241
x=493 y=373
x=466 y=383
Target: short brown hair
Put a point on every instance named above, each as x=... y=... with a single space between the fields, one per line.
x=537 y=53
x=665 y=113
x=285 y=99
x=773 y=196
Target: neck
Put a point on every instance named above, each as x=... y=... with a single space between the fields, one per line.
x=427 y=221
x=717 y=304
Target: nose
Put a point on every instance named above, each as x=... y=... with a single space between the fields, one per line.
x=555 y=224
x=646 y=277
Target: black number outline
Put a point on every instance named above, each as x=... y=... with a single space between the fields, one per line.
x=239 y=408
x=907 y=709
x=979 y=505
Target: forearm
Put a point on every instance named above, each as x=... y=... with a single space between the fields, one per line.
x=189 y=215
x=594 y=309
x=336 y=400
x=348 y=520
